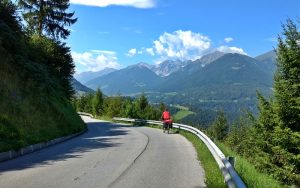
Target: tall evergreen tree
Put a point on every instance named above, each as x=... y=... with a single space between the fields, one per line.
x=287 y=78
x=98 y=102
x=9 y=16
x=278 y=127
x=287 y=101
x=140 y=106
x=219 y=129
x=48 y=16
x=143 y=102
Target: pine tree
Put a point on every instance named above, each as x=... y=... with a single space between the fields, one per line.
x=219 y=129
x=9 y=16
x=278 y=127
x=287 y=78
x=48 y=16
x=266 y=119
x=287 y=102
x=141 y=104
x=98 y=102
x=112 y=106
x=127 y=109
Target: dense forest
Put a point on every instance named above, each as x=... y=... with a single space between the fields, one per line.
x=271 y=141
x=117 y=106
x=35 y=72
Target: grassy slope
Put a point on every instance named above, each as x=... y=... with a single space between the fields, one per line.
x=29 y=114
x=249 y=174
x=182 y=114
x=213 y=175
x=33 y=106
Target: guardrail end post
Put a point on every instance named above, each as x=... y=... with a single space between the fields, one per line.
x=232 y=160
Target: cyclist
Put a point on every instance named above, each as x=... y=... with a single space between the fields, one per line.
x=166 y=118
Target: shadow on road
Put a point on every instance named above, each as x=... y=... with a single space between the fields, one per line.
x=99 y=135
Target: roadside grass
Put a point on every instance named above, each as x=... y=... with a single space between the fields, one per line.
x=105 y=118
x=251 y=177
x=213 y=175
x=32 y=124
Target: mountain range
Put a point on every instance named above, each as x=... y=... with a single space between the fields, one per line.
x=213 y=81
x=87 y=76
x=133 y=79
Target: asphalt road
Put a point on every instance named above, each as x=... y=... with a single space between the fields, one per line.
x=108 y=155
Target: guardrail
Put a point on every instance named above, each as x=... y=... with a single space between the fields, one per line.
x=231 y=177
x=85 y=114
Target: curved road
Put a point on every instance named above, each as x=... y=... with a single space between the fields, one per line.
x=108 y=155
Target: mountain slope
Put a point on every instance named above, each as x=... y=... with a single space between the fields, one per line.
x=133 y=79
x=217 y=80
x=80 y=88
x=84 y=77
x=228 y=83
x=168 y=67
x=230 y=69
x=207 y=59
x=268 y=61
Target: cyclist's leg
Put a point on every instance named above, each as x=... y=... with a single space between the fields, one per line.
x=168 y=127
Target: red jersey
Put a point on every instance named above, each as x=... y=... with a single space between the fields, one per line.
x=166 y=116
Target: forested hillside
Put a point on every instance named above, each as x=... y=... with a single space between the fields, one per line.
x=35 y=88
x=80 y=88
x=271 y=142
x=117 y=106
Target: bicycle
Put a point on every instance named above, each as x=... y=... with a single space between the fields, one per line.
x=167 y=126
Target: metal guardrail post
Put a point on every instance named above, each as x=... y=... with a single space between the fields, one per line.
x=85 y=114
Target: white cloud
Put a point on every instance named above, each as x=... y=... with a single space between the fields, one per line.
x=107 y=52
x=132 y=52
x=105 y=3
x=150 y=51
x=271 y=39
x=181 y=45
x=227 y=49
x=96 y=60
x=228 y=39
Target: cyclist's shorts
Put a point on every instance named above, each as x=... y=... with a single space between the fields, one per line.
x=166 y=124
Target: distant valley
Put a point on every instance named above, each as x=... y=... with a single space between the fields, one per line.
x=215 y=81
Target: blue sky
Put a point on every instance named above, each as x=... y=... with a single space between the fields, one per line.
x=118 y=33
